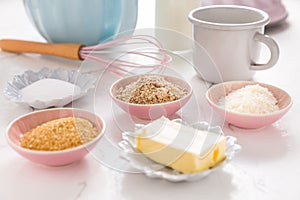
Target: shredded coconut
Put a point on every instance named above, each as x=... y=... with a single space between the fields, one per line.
x=251 y=99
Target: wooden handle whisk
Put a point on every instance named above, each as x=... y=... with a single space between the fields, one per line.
x=65 y=50
x=121 y=55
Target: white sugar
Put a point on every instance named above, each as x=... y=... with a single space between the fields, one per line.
x=49 y=89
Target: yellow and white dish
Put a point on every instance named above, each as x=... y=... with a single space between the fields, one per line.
x=155 y=158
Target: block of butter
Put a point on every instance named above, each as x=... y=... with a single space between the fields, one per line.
x=181 y=147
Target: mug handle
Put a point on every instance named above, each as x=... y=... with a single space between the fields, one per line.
x=274 y=49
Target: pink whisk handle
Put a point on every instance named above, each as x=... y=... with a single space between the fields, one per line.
x=66 y=50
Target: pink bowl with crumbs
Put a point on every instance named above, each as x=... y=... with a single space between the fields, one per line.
x=151 y=111
x=25 y=123
x=243 y=120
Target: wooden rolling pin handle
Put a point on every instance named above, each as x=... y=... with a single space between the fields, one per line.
x=66 y=50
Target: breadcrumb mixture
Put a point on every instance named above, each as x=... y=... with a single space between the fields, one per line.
x=150 y=90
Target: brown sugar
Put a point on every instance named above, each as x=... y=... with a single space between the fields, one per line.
x=59 y=134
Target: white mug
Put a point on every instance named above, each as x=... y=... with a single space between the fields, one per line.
x=226 y=42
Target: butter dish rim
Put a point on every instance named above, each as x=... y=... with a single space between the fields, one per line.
x=156 y=170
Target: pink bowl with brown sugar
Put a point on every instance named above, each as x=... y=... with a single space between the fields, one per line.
x=25 y=123
x=242 y=120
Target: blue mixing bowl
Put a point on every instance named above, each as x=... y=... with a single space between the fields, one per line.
x=80 y=21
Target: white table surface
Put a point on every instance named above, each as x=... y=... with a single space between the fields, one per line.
x=267 y=168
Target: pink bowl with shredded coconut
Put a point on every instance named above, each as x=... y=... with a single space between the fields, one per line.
x=243 y=120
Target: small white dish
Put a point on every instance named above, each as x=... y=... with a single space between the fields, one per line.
x=54 y=94
x=155 y=170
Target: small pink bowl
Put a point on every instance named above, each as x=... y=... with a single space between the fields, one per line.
x=151 y=111
x=52 y=158
x=249 y=121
